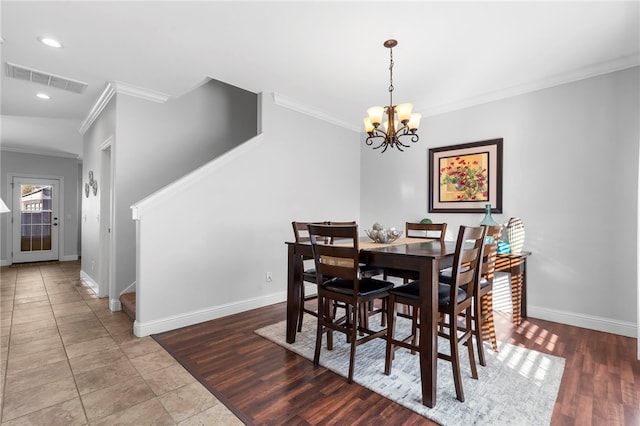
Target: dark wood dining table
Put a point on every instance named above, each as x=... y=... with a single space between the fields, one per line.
x=426 y=257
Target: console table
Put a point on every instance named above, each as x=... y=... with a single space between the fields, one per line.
x=516 y=265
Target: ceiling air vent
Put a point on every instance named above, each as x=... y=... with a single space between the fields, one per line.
x=29 y=74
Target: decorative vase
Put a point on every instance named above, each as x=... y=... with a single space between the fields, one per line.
x=488 y=220
x=503 y=247
x=515 y=234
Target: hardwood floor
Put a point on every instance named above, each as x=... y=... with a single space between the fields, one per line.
x=262 y=383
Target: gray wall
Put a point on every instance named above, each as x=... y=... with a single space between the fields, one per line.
x=570 y=173
x=31 y=165
x=154 y=144
x=214 y=263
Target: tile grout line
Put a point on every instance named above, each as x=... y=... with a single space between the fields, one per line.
x=6 y=361
x=64 y=347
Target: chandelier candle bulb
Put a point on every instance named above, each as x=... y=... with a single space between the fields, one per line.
x=414 y=121
x=404 y=112
x=368 y=126
x=375 y=115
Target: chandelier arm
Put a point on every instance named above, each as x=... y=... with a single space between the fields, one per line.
x=413 y=138
x=373 y=136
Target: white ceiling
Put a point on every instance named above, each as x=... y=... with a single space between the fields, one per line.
x=323 y=56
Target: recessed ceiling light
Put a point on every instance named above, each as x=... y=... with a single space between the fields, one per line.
x=50 y=42
x=43 y=96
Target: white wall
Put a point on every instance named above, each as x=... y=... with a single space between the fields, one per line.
x=214 y=264
x=152 y=145
x=32 y=165
x=570 y=173
x=102 y=129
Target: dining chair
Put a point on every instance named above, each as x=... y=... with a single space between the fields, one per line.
x=340 y=279
x=301 y=233
x=483 y=322
x=365 y=271
x=453 y=302
x=426 y=230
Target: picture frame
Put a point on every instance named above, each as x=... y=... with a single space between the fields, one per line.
x=465 y=178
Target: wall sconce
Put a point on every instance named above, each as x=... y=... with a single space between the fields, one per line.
x=93 y=184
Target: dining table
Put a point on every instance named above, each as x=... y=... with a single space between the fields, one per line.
x=423 y=257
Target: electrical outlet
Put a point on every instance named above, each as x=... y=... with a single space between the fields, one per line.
x=269 y=277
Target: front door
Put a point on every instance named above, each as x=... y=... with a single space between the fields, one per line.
x=35 y=219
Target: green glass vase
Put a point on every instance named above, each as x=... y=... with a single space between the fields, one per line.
x=488 y=220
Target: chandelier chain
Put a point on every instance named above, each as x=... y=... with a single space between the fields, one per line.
x=391 y=76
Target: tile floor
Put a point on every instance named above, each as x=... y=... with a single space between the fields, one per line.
x=66 y=359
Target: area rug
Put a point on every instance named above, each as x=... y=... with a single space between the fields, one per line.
x=518 y=386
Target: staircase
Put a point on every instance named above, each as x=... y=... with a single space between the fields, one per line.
x=128 y=302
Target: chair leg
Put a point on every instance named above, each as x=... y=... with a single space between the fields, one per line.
x=301 y=311
x=388 y=359
x=477 y=331
x=331 y=316
x=455 y=357
x=383 y=316
x=489 y=329
x=363 y=310
x=414 y=327
x=319 y=330
x=354 y=335
x=470 y=333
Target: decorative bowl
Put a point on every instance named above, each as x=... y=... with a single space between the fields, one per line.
x=380 y=234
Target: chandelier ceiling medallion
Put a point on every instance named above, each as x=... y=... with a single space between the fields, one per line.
x=404 y=126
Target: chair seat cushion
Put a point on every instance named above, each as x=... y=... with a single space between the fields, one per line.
x=444 y=292
x=367 y=286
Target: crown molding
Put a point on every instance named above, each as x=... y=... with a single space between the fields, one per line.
x=139 y=92
x=285 y=102
x=38 y=151
x=619 y=64
x=118 y=87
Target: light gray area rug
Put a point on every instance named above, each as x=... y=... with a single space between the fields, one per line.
x=517 y=387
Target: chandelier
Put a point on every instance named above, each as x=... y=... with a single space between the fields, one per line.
x=399 y=129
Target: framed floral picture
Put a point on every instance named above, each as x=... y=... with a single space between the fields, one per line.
x=465 y=178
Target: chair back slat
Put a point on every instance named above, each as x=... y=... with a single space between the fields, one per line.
x=426 y=230
x=335 y=260
x=301 y=231
x=467 y=260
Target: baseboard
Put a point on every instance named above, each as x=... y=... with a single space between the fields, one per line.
x=89 y=281
x=115 y=305
x=147 y=328
x=68 y=258
x=141 y=329
x=606 y=325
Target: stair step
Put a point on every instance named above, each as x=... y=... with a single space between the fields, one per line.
x=128 y=302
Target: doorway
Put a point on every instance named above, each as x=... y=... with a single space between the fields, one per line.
x=35 y=217
x=106 y=224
